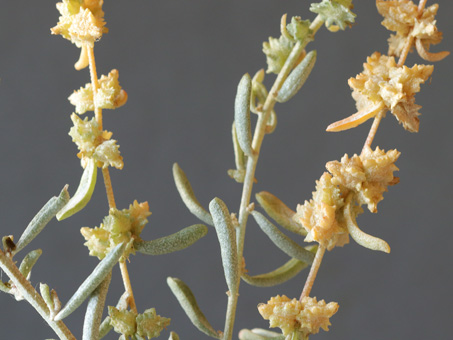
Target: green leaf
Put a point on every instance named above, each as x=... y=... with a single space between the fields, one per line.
x=105 y=328
x=282 y=241
x=83 y=193
x=45 y=293
x=174 y=242
x=95 y=307
x=239 y=156
x=259 y=334
x=188 y=196
x=37 y=224
x=227 y=238
x=242 y=114
x=189 y=304
x=334 y=12
x=280 y=212
x=297 y=78
x=29 y=261
x=173 y=336
x=359 y=236
x=280 y=275
x=92 y=281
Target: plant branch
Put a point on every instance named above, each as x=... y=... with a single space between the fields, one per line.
x=260 y=131
x=313 y=272
x=128 y=286
x=32 y=296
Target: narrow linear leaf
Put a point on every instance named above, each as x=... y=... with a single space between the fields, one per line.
x=173 y=336
x=45 y=293
x=297 y=78
x=93 y=315
x=280 y=275
x=92 y=282
x=174 y=242
x=280 y=212
x=246 y=334
x=364 y=239
x=105 y=328
x=37 y=224
x=239 y=156
x=189 y=304
x=227 y=239
x=282 y=241
x=268 y=334
x=29 y=261
x=271 y=123
x=188 y=196
x=242 y=114
x=83 y=193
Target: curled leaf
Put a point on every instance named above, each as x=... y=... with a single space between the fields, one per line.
x=297 y=78
x=45 y=293
x=242 y=114
x=95 y=307
x=189 y=304
x=360 y=237
x=83 y=193
x=29 y=261
x=227 y=239
x=188 y=196
x=280 y=275
x=423 y=53
x=37 y=224
x=357 y=118
x=92 y=281
x=282 y=241
x=174 y=242
x=280 y=212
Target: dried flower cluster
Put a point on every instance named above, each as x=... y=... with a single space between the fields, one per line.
x=307 y=315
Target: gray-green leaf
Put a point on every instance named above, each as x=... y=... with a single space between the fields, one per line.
x=92 y=281
x=189 y=304
x=227 y=239
x=37 y=224
x=173 y=336
x=188 y=196
x=174 y=242
x=297 y=78
x=280 y=212
x=246 y=334
x=282 y=241
x=95 y=307
x=242 y=114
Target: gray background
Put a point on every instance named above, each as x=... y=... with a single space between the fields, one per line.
x=180 y=62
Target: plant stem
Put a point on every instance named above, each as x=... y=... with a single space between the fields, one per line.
x=251 y=168
x=107 y=180
x=373 y=130
x=313 y=272
x=127 y=285
x=33 y=297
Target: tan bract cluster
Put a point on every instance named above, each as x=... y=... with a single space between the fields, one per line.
x=109 y=95
x=130 y=324
x=307 y=316
x=81 y=21
x=401 y=16
x=367 y=176
x=383 y=82
x=321 y=216
x=119 y=226
x=94 y=143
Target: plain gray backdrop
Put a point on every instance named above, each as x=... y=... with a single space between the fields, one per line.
x=180 y=62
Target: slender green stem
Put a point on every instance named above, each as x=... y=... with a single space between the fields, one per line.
x=33 y=297
x=260 y=131
x=313 y=272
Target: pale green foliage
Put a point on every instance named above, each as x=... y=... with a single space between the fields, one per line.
x=123 y=321
x=334 y=12
x=108 y=153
